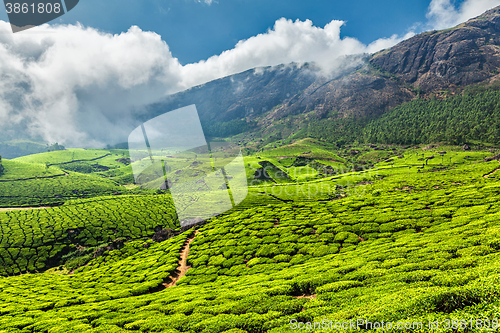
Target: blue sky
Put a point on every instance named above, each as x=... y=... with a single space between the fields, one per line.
x=195 y=30
x=83 y=85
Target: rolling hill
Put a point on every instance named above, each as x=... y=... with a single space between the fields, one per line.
x=412 y=242
x=372 y=205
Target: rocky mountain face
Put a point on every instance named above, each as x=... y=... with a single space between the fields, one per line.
x=365 y=86
x=244 y=95
x=427 y=63
x=361 y=93
x=460 y=56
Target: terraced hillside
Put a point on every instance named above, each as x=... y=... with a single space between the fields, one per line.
x=414 y=239
x=50 y=179
x=113 y=164
x=343 y=229
x=28 y=184
x=34 y=240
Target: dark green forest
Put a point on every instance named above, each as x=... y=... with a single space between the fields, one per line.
x=229 y=128
x=472 y=116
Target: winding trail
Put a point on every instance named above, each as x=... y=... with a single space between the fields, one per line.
x=76 y=161
x=492 y=172
x=183 y=267
x=22 y=208
x=313 y=296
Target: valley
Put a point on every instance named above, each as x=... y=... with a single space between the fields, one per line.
x=407 y=237
x=373 y=195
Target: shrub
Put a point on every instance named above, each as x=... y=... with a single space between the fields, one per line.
x=282 y=258
x=347 y=237
x=338 y=286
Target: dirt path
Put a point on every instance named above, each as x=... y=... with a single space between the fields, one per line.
x=75 y=161
x=32 y=178
x=21 y=208
x=313 y=296
x=183 y=267
x=489 y=173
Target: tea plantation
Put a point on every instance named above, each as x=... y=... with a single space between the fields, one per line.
x=33 y=239
x=50 y=179
x=414 y=239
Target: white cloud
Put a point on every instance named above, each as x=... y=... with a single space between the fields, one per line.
x=288 y=41
x=444 y=14
x=79 y=86
x=385 y=43
x=208 y=2
x=82 y=87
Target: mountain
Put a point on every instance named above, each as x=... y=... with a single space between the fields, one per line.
x=431 y=63
x=271 y=103
x=456 y=57
x=247 y=94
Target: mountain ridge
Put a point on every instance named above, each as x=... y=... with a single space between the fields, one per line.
x=459 y=56
x=364 y=86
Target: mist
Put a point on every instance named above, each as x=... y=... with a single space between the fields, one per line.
x=82 y=87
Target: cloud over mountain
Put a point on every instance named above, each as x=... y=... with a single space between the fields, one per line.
x=444 y=14
x=82 y=87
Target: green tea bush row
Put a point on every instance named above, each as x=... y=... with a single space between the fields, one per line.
x=429 y=252
x=33 y=240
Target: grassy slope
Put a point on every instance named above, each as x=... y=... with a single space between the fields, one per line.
x=36 y=239
x=50 y=179
x=405 y=244
x=110 y=163
x=15 y=148
x=28 y=184
x=64 y=156
x=293 y=162
x=15 y=170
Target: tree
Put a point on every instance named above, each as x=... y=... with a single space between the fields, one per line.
x=55 y=147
